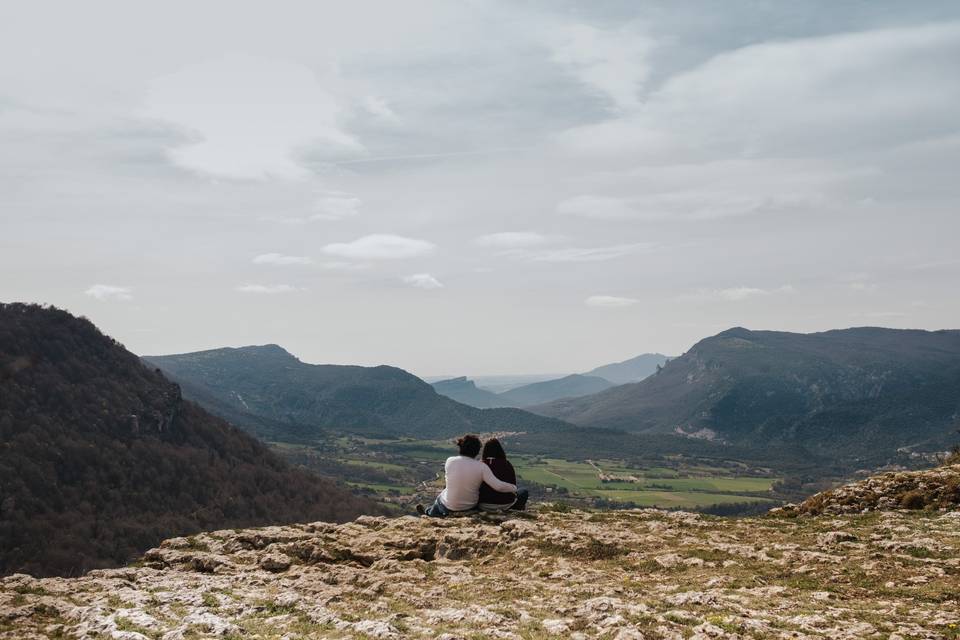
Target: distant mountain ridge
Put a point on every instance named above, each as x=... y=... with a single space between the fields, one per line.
x=271 y=392
x=567 y=387
x=632 y=370
x=467 y=391
x=100 y=457
x=844 y=392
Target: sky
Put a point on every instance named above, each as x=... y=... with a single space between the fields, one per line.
x=472 y=187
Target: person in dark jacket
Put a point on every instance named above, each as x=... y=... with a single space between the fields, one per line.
x=495 y=457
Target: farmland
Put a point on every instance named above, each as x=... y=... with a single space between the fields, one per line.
x=406 y=471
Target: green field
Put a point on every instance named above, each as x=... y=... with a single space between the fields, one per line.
x=413 y=467
x=581 y=478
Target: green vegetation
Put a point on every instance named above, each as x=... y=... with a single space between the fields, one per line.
x=406 y=471
x=816 y=394
x=101 y=458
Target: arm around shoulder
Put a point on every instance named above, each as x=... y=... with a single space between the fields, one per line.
x=495 y=483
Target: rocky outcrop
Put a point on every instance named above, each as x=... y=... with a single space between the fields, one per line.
x=930 y=489
x=615 y=575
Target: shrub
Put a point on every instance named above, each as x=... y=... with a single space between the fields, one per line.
x=954 y=456
x=913 y=500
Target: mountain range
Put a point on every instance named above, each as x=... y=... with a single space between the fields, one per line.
x=857 y=392
x=632 y=370
x=272 y=393
x=101 y=457
x=467 y=391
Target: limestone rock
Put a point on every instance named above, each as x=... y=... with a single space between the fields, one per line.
x=629 y=575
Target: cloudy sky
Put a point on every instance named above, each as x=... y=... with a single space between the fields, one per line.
x=480 y=187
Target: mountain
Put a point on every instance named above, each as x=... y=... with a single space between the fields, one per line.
x=272 y=393
x=101 y=458
x=554 y=573
x=632 y=370
x=541 y=391
x=466 y=391
x=567 y=387
x=855 y=392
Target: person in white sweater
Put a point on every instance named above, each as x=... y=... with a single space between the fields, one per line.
x=464 y=474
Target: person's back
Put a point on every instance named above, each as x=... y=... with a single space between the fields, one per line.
x=464 y=479
x=464 y=475
x=501 y=468
x=491 y=497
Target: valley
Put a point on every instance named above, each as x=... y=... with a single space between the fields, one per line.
x=406 y=471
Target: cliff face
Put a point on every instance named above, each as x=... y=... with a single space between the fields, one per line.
x=625 y=575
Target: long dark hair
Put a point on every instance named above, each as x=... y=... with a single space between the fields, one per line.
x=493 y=449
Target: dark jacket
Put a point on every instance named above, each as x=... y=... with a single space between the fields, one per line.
x=501 y=468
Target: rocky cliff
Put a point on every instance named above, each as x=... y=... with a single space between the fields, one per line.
x=891 y=574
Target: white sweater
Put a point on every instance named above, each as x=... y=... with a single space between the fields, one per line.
x=464 y=477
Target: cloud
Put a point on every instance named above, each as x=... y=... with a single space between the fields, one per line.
x=584 y=254
x=936 y=264
x=613 y=63
x=109 y=292
x=610 y=301
x=511 y=239
x=600 y=207
x=248 y=116
x=691 y=204
x=788 y=98
x=278 y=259
x=267 y=289
x=735 y=294
x=343 y=265
x=380 y=108
x=336 y=206
x=422 y=281
x=380 y=246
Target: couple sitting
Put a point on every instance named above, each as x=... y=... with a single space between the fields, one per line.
x=490 y=485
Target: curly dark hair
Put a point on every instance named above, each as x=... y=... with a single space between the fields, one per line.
x=493 y=449
x=469 y=445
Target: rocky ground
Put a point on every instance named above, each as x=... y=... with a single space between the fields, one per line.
x=937 y=488
x=624 y=575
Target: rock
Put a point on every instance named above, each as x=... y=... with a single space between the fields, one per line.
x=831 y=538
x=555 y=627
x=512 y=578
x=275 y=562
x=375 y=629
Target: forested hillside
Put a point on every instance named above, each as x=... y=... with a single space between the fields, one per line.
x=856 y=393
x=278 y=397
x=100 y=457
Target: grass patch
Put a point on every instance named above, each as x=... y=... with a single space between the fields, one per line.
x=593 y=550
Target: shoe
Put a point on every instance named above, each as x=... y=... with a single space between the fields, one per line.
x=421 y=510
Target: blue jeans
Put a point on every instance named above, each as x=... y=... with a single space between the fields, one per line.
x=437 y=510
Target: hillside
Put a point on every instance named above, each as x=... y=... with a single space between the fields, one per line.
x=272 y=393
x=100 y=458
x=632 y=370
x=627 y=575
x=467 y=392
x=570 y=386
x=858 y=393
